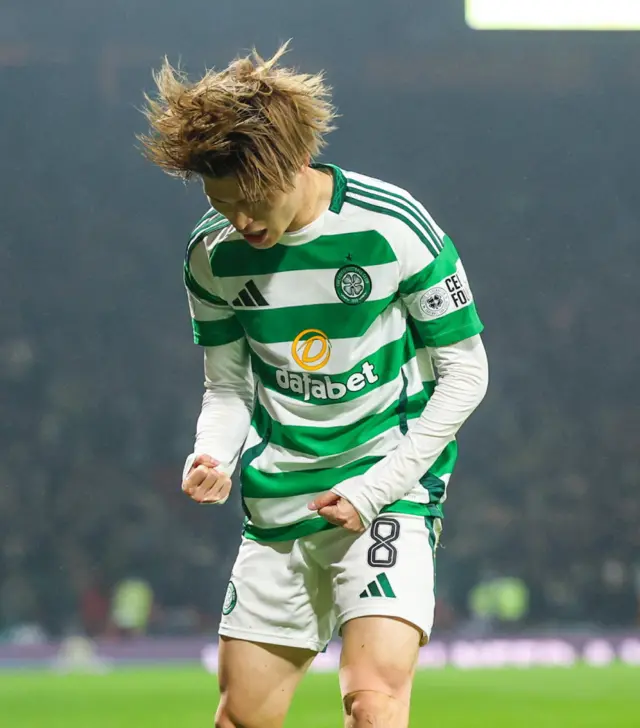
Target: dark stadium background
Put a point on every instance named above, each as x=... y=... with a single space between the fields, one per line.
x=524 y=146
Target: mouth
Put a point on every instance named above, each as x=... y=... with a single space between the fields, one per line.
x=258 y=238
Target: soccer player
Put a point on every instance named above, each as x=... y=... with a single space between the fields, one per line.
x=341 y=354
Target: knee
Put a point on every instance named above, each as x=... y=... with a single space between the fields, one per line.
x=224 y=720
x=226 y=717
x=367 y=708
x=240 y=714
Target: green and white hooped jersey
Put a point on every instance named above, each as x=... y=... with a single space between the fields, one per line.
x=338 y=318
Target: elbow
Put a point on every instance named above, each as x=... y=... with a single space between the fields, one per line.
x=474 y=382
x=471 y=389
x=228 y=395
x=481 y=379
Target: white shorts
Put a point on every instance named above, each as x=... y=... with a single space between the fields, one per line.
x=297 y=593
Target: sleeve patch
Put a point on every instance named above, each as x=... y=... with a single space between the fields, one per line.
x=450 y=294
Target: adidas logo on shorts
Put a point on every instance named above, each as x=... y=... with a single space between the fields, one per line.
x=379 y=587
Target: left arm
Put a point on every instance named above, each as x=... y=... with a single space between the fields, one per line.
x=462 y=384
x=440 y=305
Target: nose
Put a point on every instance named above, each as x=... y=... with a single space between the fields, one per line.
x=240 y=220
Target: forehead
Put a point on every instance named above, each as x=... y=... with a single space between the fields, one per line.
x=222 y=188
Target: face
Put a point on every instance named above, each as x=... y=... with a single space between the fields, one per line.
x=261 y=222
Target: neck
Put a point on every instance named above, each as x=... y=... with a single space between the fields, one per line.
x=315 y=200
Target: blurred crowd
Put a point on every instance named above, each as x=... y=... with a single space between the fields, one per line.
x=100 y=383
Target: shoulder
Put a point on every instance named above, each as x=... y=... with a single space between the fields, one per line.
x=206 y=238
x=365 y=182
x=212 y=230
x=397 y=214
x=362 y=188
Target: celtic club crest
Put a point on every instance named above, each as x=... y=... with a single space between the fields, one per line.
x=352 y=284
x=230 y=599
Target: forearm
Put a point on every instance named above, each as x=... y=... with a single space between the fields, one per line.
x=462 y=383
x=227 y=403
x=222 y=428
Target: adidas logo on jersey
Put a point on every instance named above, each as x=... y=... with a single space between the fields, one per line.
x=379 y=587
x=250 y=296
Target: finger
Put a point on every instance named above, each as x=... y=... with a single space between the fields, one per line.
x=206 y=486
x=219 y=498
x=219 y=492
x=220 y=501
x=332 y=514
x=354 y=525
x=352 y=520
x=195 y=477
x=204 y=459
x=324 y=499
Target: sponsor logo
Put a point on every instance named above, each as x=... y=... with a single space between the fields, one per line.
x=325 y=387
x=311 y=350
x=230 y=599
x=352 y=284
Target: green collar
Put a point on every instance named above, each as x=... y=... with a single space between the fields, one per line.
x=339 y=186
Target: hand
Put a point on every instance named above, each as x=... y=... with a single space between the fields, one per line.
x=337 y=510
x=204 y=483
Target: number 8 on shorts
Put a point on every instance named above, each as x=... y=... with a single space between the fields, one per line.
x=383 y=554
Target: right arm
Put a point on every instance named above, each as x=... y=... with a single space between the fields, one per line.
x=227 y=403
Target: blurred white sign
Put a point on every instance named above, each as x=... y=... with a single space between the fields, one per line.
x=553 y=14
x=496 y=653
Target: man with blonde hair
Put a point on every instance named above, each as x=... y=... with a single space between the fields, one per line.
x=342 y=355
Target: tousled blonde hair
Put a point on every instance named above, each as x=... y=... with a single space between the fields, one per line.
x=255 y=121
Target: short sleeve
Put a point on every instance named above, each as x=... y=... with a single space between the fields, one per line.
x=436 y=292
x=213 y=321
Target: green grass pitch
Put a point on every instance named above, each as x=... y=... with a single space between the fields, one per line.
x=578 y=697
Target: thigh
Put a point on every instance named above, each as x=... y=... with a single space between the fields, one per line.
x=379 y=654
x=388 y=571
x=257 y=682
x=377 y=666
x=276 y=596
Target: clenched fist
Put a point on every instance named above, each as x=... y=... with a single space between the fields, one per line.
x=204 y=483
x=337 y=510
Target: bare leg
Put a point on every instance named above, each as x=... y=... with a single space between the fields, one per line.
x=257 y=682
x=377 y=665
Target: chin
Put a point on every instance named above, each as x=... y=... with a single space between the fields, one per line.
x=262 y=246
x=268 y=243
